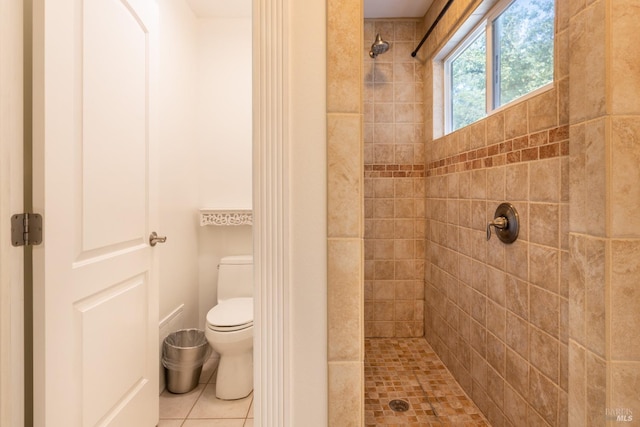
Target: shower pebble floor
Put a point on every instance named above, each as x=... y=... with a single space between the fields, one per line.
x=409 y=369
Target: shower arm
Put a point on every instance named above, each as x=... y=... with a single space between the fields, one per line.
x=442 y=12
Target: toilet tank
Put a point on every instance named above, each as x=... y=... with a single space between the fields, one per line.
x=235 y=277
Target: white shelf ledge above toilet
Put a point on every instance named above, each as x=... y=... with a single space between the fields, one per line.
x=214 y=216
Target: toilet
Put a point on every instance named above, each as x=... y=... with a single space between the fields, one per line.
x=229 y=327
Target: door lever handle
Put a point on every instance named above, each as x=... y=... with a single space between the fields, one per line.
x=154 y=239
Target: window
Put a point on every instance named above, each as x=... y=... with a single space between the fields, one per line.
x=509 y=55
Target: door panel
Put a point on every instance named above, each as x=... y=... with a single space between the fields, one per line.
x=114 y=124
x=113 y=349
x=95 y=296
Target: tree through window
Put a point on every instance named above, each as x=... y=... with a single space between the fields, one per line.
x=508 y=56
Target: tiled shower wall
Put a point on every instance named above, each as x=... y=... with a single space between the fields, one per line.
x=394 y=181
x=497 y=314
x=604 y=315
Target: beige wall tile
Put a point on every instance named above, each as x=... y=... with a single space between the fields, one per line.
x=517 y=182
x=544 y=264
x=496 y=282
x=596 y=140
x=578 y=63
x=577 y=289
x=544 y=310
x=344 y=175
x=517 y=336
x=625 y=90
x=595 y=60
x=543 y=111
x=576 y=6
x=496 y=353
x=544 y=353
x=515 y=407
x=478 y=134
x=495 y=128
x=544 y=181
x=517 y=296
x=544 y=221
x=563 y=87
x=625 y=300
x=562 y=49
x=345 y=299
x=564 y=367
x=595 y=296
x=496 y=319
x=496 y=183
x=345 y=394
x=344 y=63
x=596 y=389
x=625 y=383
x=625 y=193
x=517 y=259
x=543 y=396
x=517 y=373
x=577 y=385
x=577 y=180
x=515 y=121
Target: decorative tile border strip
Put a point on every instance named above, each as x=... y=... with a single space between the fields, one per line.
x=537 y=146
x=226 y=217
x=393 y=171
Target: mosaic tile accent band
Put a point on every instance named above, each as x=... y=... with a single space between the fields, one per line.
x=538 y=146
x=393 y=171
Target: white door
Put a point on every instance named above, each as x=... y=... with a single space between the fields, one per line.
x=95 y=287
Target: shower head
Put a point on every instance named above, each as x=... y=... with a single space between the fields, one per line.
x=378 y=47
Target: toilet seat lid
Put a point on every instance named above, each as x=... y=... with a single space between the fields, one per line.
x=231 y=312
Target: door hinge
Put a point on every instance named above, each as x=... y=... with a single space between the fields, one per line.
x=26 y=229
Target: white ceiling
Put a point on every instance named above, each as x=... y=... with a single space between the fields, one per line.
x=372 y=8
x=396 y=8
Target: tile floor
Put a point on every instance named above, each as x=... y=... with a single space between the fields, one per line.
x=201 y=408
x=395 y=368
x=409 y=369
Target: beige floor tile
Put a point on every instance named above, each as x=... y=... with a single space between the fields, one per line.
x=208 y=370
x=250 y=410
x=170 y=423
x=249 y=422
x=177 y=406
x=209 y=406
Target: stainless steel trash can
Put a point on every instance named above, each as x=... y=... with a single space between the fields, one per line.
x=183 y=354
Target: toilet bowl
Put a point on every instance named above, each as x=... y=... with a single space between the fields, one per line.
x=229 y=328
x=230 y=333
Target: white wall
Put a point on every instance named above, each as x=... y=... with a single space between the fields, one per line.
x=224 y=112
x=205 y=151
x=179 y=199
x=225 y=142
x=308 y=204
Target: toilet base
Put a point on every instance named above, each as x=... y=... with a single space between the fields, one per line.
x=235 y=376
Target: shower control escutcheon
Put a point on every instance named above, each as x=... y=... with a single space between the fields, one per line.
x=506 y=223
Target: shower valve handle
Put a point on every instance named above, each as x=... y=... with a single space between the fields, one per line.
x=500 y=222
